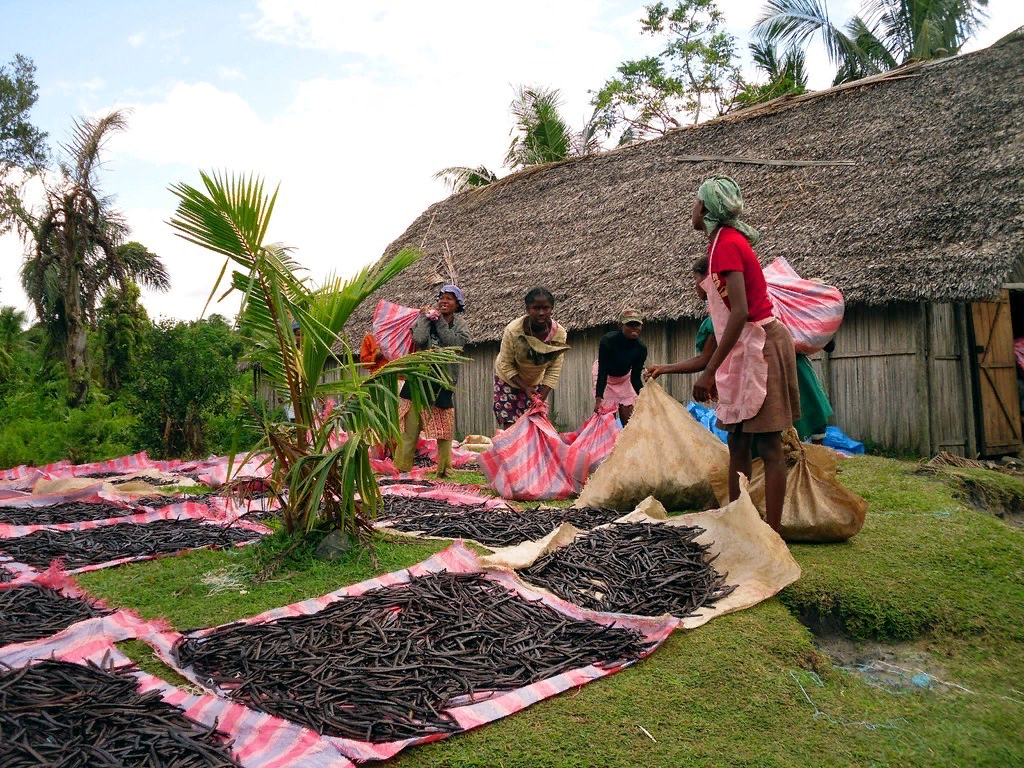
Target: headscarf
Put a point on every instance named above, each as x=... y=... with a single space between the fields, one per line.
x=723 y=203
x=455 y=291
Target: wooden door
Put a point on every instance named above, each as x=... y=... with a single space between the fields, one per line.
x=997 y=377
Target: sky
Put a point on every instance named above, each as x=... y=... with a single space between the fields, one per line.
x=349 y=107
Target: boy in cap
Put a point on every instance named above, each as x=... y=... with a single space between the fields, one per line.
x=620 y=365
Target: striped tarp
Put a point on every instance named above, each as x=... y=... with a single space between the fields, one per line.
x=593 y=441
x=457 y=559
x=117 y=626
x=392 y=328
x=184 y=510
x=812 y=312
x=532 y=462
x=258 y=740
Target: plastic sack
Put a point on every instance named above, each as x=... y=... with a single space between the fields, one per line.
x=812 y=312
x=708 y=419
x=530 y=460
x=392 y=328
x=662 y=452
x=817 y=508
x=835 y=438
x=594 y=440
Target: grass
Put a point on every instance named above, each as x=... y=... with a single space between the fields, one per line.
x=929 y=583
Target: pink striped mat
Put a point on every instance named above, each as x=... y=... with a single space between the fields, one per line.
x=458 y=559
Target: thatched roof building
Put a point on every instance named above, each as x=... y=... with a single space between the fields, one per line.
x=914 y=192
x=899 y=189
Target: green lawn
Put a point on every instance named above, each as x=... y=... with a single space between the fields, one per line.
x=930 y=588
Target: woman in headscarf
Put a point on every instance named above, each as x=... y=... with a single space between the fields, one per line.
x=752 y=370
x=440 y=326
x=530 y=359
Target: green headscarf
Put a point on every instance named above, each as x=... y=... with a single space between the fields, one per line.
x=723 y=203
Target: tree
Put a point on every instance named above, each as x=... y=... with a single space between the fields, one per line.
x=694 y=75
x=787 y=75
x=22 y=145
x=74 y=252
x=184 y=379
x=317 y=479
x=539 y=135
x=11 y=342
x=121 y=330
x=888 y=33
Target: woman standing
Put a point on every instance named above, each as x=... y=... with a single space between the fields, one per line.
x=619 y=366
x=435 y=327
x=530 y=359
x=753 y=368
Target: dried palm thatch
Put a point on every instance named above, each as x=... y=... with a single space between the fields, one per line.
x=901 y=187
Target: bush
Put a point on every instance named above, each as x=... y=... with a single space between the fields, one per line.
x=39 y=428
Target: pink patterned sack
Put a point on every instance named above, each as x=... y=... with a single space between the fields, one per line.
x=392 y=327
x=812 y=312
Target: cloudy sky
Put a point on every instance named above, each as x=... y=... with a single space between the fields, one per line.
x=350 y=107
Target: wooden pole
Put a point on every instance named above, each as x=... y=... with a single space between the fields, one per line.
x=960 y=311
x=923 y=388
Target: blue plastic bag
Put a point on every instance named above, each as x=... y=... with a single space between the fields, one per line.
x=836 y=439
x=707 y=418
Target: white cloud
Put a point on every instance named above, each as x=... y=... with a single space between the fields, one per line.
x=137 y=40
x=230 y=73
x=80 y=87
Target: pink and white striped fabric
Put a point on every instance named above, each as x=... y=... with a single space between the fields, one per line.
x=594 y=440
x=530 y=460
x=1018 y=352
x=453 y=494
x=812 y=312
x=457 y=559
x=392 y=328
x=258 y=740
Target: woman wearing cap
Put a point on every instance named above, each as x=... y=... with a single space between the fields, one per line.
x=440 y=326
x=752 y=370
x=530 y=359
x=619 y=366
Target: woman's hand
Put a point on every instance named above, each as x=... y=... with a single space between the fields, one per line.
x=653 y=371
x=598 y=402
x=704 y=387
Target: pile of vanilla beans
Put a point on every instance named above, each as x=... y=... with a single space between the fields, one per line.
x=495 y=527
x=32 y=611
x=641 y=568
x=114 y=542
x=388 y=664
x=58 y=713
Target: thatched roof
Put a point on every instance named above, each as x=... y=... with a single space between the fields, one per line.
x=928 y=205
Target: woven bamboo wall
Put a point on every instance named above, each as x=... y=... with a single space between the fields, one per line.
x=896 y=378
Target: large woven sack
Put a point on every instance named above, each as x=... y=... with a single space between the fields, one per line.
x=818 y=508
x=530 y=461
x=662 y=452
x=392 y=328
x=752 y=554
x=812 y=312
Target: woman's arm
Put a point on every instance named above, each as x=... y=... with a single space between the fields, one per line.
x=505 y=365
x=421 y=332
x=603 y=354
x=637 y=374
x=693 y=365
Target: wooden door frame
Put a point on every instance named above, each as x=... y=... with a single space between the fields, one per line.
x=978 y=371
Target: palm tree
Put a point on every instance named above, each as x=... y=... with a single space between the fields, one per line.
x=540 y=135
x=230 y=217
x=888 y=34
x=11 y=322
x=786 y=73
x=74 y=252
